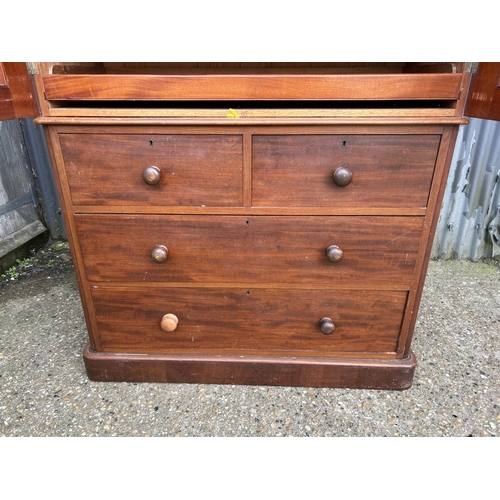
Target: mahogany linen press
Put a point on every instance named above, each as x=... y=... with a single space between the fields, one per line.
x=251 y=223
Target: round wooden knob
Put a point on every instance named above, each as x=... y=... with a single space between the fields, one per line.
x=326 y=326
x=334 y=253
x=342 y=176
x=151 y=175
x=169 y=322
x=159 y=254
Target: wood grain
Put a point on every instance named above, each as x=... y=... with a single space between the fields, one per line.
x=439 y=114
x=378 y=251
x=252 y=87
x=484 y=93
x=356 y=373
x=195 y=169
x=17 y=94
x=389 y=170
x=241 y=320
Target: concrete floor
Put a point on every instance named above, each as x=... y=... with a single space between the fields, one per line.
x=45 y=392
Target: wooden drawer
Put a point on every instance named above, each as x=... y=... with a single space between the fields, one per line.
x=106 y=169
x=241 y=320
x=270 y=249
x=390 y=171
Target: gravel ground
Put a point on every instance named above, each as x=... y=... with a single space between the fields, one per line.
x=45 y=391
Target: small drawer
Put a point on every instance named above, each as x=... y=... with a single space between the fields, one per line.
x=370 y=171
x=246 y=320
x=329 y=250
x=154 y=170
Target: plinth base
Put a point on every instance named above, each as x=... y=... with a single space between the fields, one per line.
x=390 y=374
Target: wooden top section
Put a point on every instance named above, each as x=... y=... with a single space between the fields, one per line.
x=119 y=89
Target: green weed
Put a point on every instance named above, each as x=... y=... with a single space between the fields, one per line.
x=11 y=273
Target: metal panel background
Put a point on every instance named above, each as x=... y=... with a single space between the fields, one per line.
x=38 y=156
x=19 y=210
x=469 y=222
x=28 y=199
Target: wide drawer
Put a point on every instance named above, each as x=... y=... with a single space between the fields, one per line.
x=250 y=83
x=254 y=249
x=193 y=170
x=390 y=171
x=241 y=320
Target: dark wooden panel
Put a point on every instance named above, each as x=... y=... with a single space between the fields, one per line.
x=379 y=251
x=239 y=320
x=484 y=93
x=388 y=374
x=17 y=95
x=254 y=87
x=388 y=170
x=195 y=169
x=7 y=111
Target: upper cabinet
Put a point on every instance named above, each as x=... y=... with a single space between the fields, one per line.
x=336 y=89
x=17 y=94
x=447 y=89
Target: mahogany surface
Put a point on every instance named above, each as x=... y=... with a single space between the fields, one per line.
x=388 y=170
x=238 y=320
x=484 y=98
x=280 y=247
x=251 y=87
x=17 y=93
x=106 y=169
x=251 y=249
x=354 y=373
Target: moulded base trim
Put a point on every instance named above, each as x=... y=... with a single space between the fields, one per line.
x=392 y=374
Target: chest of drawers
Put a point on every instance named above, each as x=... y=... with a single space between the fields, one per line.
x=278 y=248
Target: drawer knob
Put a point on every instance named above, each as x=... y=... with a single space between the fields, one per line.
x=169 y=322
x=334 y=253
x=159 y=254
x=342 y=176
x=326 y=326
x=151 y=175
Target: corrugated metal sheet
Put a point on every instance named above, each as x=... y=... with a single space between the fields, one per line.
x=469 y=222
x=38 y=156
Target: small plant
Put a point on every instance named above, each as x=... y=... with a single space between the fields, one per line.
x=11 y=273
x=23 y=263
x=59 y=245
